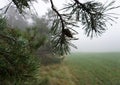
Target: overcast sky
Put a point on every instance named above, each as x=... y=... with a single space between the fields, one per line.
x=108 y=42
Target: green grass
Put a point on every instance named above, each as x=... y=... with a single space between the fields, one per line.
x=95 y=68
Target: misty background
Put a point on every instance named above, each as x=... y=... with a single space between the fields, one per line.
x=107 y=42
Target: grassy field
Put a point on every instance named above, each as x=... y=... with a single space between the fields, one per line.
x=56 y=74
x=94 y=68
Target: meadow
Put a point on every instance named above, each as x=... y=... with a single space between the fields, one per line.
x=94 y=68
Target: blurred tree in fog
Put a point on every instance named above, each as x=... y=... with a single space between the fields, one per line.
x=15 y=19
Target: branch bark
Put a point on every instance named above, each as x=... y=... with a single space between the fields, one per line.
x=56 y=11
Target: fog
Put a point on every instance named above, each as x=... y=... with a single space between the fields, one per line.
x=107 y=42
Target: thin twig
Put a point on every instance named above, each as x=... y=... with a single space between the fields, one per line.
x=7 y=6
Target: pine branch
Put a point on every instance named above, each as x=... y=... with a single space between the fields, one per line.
x=7 y=37
x=55 y=10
